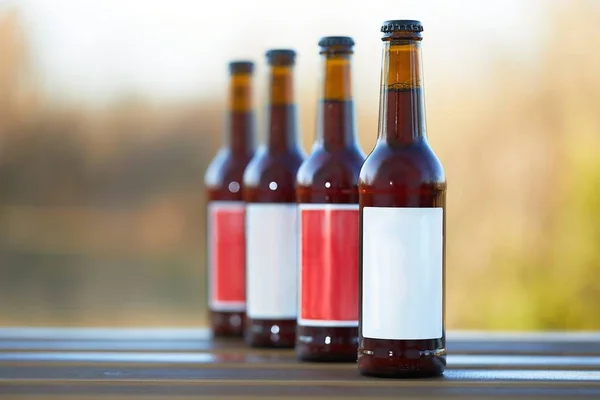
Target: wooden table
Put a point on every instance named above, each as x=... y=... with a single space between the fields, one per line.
x=185 y=364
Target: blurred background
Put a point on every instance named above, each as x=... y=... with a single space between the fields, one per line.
x=111 y=110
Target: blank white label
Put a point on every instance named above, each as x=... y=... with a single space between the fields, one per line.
x=402 y=290
x=271 y=261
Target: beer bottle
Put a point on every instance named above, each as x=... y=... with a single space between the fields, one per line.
x=402 y=190
x=226 y=211
x=328 y=212
x=271 y=216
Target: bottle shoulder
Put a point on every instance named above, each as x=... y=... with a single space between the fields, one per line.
x=403 y=165
x=268 y=166
x=225 y=167
x=339 y=168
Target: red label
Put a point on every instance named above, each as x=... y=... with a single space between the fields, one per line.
x=227 y=256
x=328 y=265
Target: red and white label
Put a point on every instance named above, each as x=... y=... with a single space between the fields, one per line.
x=227 y=255
x=328 y=265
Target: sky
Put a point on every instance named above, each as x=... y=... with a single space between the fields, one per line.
x=177 y=49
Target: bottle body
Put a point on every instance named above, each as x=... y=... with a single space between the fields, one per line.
x=418 y=185
x=226 y=248
x=328 y=310
x=328 y=212
x=226 y=210
x=402 y=195
x=271 y=224
x=272 y=218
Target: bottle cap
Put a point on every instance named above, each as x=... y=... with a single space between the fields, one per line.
x=281 y=57
x=334 y=41
x=410 y=28
x=241 y=67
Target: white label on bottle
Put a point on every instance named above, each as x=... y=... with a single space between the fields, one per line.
x=402 y=282
x=272 y=260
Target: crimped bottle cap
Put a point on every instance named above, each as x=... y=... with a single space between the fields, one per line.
x=281 y=56
x=241 y=67
x=341 y=41
x=408 y=28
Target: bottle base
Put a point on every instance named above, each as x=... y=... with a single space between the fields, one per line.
x=227 y=324
x=322 y=355
x=407 y=371
x=405 y=363
x=326 y=344
x=270 y=333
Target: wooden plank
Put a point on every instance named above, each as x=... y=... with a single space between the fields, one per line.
x=272 y=375
x=519 y=384
x=198 y=340
x=454 y=346
x=117 y=369
x=280 y=360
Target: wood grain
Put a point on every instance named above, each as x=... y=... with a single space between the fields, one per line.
x=43 y=368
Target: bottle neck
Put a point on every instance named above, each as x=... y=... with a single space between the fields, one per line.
x=335 y=112
x=402 y=106
x=240 y=118
x=281 y=109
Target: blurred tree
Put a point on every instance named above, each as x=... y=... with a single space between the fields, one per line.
x=546 y=207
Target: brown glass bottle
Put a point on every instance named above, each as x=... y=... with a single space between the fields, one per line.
x=271 y=216
x=328 y=212
x=402 y=191
x=226 y=210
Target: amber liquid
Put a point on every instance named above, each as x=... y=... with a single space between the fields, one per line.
x=337 y=161
x=402 y=171
x=228 y=166
x=279 y=163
